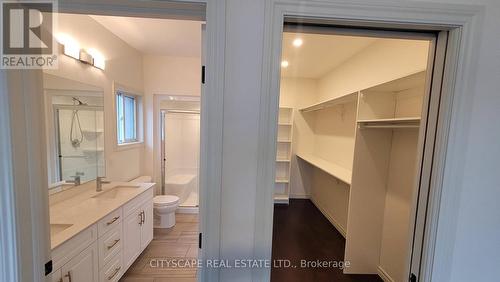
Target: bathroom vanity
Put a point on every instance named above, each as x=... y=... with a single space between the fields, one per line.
x=96 y=236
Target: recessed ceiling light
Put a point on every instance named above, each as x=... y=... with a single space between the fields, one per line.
x=284 y=64
x=297 y=42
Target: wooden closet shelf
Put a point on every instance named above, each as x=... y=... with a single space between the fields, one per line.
x=281 y=198
x=333 y=169
x=409 y=122
x=344 y=99
x=281 y=180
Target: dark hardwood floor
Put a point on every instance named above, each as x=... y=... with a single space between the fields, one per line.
x=301 y=232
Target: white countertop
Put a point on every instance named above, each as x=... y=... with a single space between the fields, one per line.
x=77 y=207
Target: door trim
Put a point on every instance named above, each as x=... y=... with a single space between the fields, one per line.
x=463 y=23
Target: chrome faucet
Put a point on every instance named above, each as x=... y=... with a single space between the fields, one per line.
x=99 y=181
x=77 y=180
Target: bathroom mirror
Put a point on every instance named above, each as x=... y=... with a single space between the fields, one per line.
x=75 y=131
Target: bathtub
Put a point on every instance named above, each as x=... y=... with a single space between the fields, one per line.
x=181 y=185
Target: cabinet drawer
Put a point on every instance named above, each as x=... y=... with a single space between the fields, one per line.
x=109 y=222
x=62 y=254
x=113 y=270
x=110 y=245
x=135 y=203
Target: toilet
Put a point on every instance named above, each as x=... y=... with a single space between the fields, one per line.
x=164 y=206
x=164 y=210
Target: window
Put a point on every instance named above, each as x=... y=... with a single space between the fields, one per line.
x=126 y=117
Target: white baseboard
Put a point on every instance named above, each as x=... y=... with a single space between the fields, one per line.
x=296 y=196
x=193 y=210
x=332 y=221
x=384 y=275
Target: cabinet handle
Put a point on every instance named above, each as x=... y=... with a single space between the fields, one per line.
x=140 y=218
x=114 y=244
x=143 y=217
x=68 y=275
x=114 y=273
x=113 y=220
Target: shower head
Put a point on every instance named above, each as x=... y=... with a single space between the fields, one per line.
x=79 y=102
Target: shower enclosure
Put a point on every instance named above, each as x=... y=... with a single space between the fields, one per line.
x=80 y=140
x=180 y=144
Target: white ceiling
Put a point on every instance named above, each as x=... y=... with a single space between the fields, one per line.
x=319 y=53
x=156 y=36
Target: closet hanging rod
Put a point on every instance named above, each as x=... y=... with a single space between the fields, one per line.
x=183 y=111
x=389 y=125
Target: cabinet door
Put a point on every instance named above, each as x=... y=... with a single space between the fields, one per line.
x=147 y=226
x=131 y=237
x=82 y=268
x=56 y=276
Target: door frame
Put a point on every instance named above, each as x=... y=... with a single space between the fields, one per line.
x=25 y=201
x=463 y=22
x=163 y=115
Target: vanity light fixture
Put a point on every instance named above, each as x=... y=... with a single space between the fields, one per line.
x=86 y=58
x=72 y=49
x=284 y=64
x=98 y=58
x=297 y=42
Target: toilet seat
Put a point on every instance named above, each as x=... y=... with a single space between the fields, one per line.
x=165 y=200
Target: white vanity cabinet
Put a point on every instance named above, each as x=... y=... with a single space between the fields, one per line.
x=104 y=251
x=83 y=267
x=137 y=227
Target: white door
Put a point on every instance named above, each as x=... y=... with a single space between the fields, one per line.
x=131 y=238
x=82 y=268
x=147 y=225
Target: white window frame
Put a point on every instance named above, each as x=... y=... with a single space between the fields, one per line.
x=120 y=121
x=119 y=89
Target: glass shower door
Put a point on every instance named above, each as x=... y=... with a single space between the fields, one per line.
x=181 y=147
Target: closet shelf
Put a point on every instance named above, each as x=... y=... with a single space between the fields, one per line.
x=279 y=160
x=284 y=141
x=409 y=122
x=344 y=99
x=281 y=199
x=285 y=124
x=333 y=169
x=282 y=180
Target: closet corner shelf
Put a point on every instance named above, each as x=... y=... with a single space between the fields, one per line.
x=281 y=180
x=333 y=169
x=408 y=122
x=281 y=199
x=92 y=132
x=331 y=102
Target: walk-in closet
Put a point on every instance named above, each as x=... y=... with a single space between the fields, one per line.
x=351 y=114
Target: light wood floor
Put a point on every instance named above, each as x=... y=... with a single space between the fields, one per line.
x=178 y=243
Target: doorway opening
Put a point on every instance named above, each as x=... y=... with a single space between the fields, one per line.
x=355 y=111
x=180 y=150
x=102 y=120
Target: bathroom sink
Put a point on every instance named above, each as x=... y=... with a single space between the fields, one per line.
x=115 y=192
x=57 y=228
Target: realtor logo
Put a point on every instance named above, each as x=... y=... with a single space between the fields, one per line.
x=27 y=41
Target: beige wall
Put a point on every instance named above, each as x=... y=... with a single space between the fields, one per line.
x=123 y=65
x=297 y=93
x=165 y=75
x=382 y=61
